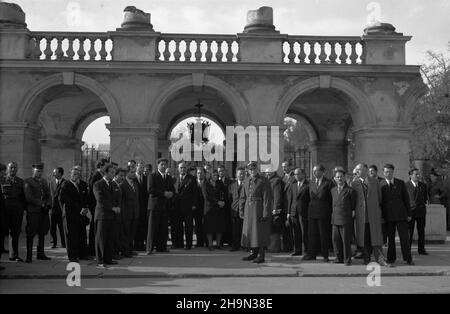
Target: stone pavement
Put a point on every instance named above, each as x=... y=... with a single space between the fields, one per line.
x=201 y=263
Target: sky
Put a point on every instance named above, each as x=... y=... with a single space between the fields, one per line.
x=428 y=21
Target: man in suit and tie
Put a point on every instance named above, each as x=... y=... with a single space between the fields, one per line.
x=141 y=232
x=418 y=198
x=234 y=192
x=319 y=215
x=129 y=211
x=397 y=213
x=298 y=200
x=74 y=203
x=13 y=191
x=286 y=230
x=56 y=220
x=94 y=177
x=373 y=173
x=344 y=202
x=161 y=191
x=107 y=194
x=199 y=204
x=222 y=172
x=185 y=186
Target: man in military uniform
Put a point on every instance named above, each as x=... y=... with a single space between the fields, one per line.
x=256 y=209
x=12 y=188
x=37 y=194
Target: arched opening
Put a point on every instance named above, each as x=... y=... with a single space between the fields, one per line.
x=181 y=109
x=299 y=137
x=66 y=112
x=319 y=122
x=96 y=142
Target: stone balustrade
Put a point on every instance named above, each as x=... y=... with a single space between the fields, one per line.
x=70 y=46
x=323 y=50
x=197 y=48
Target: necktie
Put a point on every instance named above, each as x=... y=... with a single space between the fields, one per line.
x=339 y=189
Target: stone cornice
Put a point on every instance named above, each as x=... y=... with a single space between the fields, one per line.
x=226 y=68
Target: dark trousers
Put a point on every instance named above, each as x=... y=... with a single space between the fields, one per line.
x=403 y=232
x=188 y=222
x=299 y=228
x=14 y=217
x=198 y=222
x=140 y=230
x=369 y=249
x=104 y=241
x=92 y=249
x=37 y=224
x=342 y=239
x=76 y=238
x=56 y=222
x=420 y=231
x=176 y=228
x=384 y=229
x=236 y=231
x=117 y=226
x=319 y=234
x=158 y=230
x=127 y=235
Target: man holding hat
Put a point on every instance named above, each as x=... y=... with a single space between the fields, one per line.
x=256 y=209
x=37 y=195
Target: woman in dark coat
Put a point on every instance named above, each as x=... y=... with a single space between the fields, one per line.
x=214 y=214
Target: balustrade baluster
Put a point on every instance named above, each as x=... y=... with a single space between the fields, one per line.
x=157 y=52
x=322 y=55
x=187 y=53
x=59 y=53
x=70 y=52
x=219 y=54
x=333 y=54
x=177 y=53
x=312 y=54
x=198 y=51
x=81 y=52
x=92 y=53
x=302 y=54
x=291 y=55
x=344 y=55
x=102 y=52
x=48 y=49
x=229 y=54
x=208 y=54
x=36 y=47
x=166 y=53
x=354 y=55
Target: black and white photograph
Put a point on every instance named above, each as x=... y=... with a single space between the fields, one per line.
x=224 y=153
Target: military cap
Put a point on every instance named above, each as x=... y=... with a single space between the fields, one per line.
x=38 y=165
x=252 y=165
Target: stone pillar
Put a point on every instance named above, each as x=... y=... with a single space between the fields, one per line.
x=260 y=42
x=435 y=227
x=14 y=35
x=135 y=40
x=133 y=141
x=384 y=145
x=383 y=45
x=19 y=142
x=329 y=153
x=59 y=151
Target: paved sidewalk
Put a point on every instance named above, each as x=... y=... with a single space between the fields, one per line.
x=201 y=263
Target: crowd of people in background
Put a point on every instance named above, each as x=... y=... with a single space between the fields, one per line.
x=121 y=211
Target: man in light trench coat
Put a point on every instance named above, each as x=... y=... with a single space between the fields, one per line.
x=368 y=220
x=255 y=208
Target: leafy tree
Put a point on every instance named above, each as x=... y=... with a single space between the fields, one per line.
x=430 y=138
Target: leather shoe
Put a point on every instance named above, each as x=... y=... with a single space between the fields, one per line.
x=359 y=255
x=16 y=259
x=309 y=258
x=410 y=263
x=43 y=258
x=251 y=257
x=234 y=249
x=336 y=261
x=53 y=246
x=258 y=260
x=326 y=260
x=86 y=258
x=423 y=253
x=348 y=264
x=74 y=260
x=28 y=260
x=103 y=266
x=297 y=254
x=111 y=263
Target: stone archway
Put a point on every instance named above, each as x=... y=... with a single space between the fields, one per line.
x=360 y=107
x=29 y=111
x=226 y=91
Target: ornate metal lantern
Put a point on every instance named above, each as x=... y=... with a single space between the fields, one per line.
x=205 y=126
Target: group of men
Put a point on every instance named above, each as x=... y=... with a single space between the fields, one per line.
x=130 y=209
